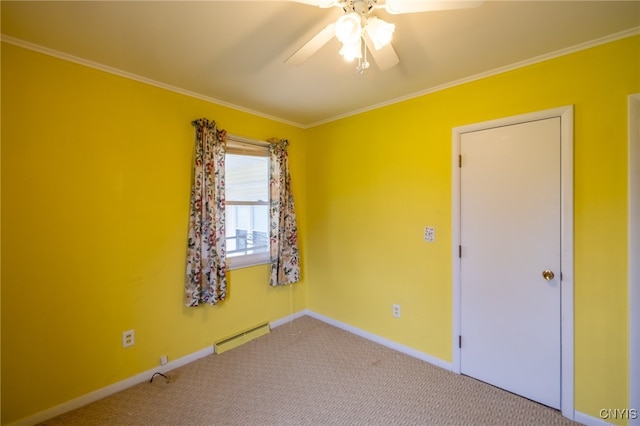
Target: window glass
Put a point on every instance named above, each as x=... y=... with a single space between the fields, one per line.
x=247 y=178
x=247 y=209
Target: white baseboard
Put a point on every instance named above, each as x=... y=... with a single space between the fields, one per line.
x=382 y=341
x=588 y=420
x=127 y=383
x=139 y=378
x=109 y=390
x=287 y=319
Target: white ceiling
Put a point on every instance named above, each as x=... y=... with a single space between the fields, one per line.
x=233 y=52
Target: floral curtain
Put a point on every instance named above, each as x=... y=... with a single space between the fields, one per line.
x=206 y=280
x=285 y=258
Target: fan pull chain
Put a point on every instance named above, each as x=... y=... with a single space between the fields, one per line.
x=363 y=65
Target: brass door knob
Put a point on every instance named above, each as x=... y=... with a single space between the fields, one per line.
x=548 y=275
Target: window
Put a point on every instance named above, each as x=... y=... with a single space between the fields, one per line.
x=247 y=203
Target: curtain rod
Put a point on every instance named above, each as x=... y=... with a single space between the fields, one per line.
x=247 y=141
x=241 y=139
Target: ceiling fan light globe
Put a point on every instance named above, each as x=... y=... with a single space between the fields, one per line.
x=393 y=6
x=348 y=28
x=352 y=51
x=380 y=32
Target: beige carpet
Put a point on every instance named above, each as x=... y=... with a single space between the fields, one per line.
x=308 y=372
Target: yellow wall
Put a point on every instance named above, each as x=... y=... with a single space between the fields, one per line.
x=96 y=174
x=379 y=177
x=95 y=178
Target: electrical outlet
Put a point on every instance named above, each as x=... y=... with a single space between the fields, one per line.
x=128 y=338
x=163 y=360
x=396 y=311
x=429 y=234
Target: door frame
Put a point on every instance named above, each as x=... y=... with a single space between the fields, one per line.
x=634 y=253
x=566 y=239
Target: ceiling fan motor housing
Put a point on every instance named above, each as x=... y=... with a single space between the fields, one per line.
x=359 y=30
x=361 y=7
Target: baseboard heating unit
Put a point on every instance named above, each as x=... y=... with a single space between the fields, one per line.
x=241 y=338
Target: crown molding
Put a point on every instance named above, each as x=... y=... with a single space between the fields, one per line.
x=105 y=68
x=479 y=76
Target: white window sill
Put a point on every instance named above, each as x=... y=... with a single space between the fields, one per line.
x=247 y=261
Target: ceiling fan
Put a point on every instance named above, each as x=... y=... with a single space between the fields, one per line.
x=360 y=23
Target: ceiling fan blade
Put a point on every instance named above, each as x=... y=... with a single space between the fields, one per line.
x=319 y=3
x=413 y=6
x=385 y=57
x=312 y=46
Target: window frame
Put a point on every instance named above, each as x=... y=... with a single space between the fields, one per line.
x=237 y=145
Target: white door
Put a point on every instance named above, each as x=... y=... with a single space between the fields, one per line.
x=510 y=237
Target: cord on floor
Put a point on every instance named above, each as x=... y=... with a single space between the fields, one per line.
x=167 y=378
